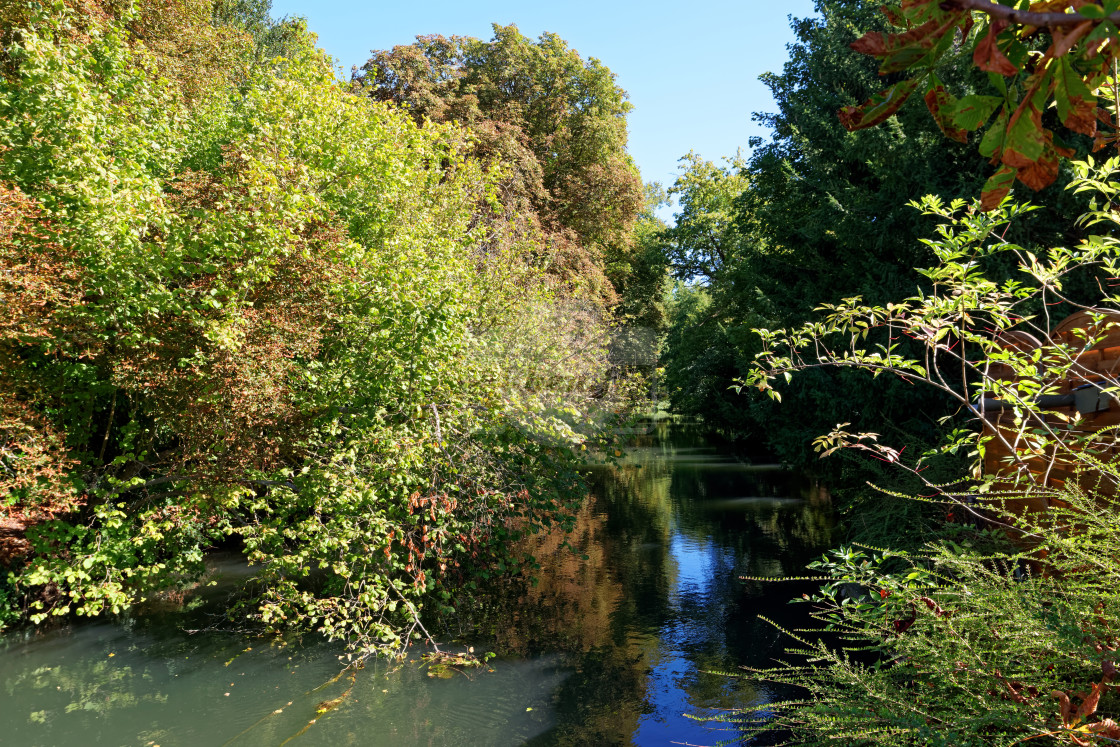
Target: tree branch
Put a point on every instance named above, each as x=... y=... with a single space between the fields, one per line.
x=1024 y=17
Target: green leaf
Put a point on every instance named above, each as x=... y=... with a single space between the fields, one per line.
x=993 y=139
x=942 y=106
x=974 y=110
x=1077 y=107
x=1025 y=136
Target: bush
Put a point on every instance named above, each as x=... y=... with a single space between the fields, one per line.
x=1005 y=628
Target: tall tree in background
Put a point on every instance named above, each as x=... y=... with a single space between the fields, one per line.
x=556 y=120
x=824 y=217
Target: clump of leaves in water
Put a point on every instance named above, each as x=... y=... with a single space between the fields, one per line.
x=1006 y=629
x=445 y=664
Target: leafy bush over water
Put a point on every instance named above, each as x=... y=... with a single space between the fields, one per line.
x=1004 y=630
x=246 y=306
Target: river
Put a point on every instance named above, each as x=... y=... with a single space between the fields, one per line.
x=618 y=644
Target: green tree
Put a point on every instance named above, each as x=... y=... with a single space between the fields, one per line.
x=820 y=219
x=256 y=306
x=557 y=122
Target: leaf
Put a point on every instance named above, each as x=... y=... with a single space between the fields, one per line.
x=1026 y=140
x=918 y=11
x=974 y=110
x=904 y=51
x=894 y=18
x=873 y=43
x=942 y=106
x=1042 y=173
x=992 y=141
x=1089 y=705
x=1098 y=36
x=879 y=107
x=1064 y=40
x=997 y=187
x=988 y=56
x=1076 y=104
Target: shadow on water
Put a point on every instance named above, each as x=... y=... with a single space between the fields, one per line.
x=614 y=644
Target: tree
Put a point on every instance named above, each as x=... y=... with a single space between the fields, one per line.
x=822 y=218
x=255 y=307
x=557 y=122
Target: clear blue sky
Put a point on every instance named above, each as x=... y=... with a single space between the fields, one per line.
x=691 y=68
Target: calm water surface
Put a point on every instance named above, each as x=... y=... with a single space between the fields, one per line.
x=613 y=649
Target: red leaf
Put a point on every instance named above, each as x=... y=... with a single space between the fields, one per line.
x=934 y=607
x=903 y=51
x=943 y=107
x=878 y=108
x=988 y=56
x=996 y=188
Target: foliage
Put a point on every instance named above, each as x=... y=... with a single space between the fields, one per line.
x=952 y=646
x=1057 y=54
x=820 y=216
x=557 y=121
x=986 y=636
x=258 y=310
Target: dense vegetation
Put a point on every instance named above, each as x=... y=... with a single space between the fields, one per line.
x=245 y=307
x=360 y=331
x=982 y=610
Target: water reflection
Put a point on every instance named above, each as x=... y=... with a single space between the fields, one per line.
x=613 y=644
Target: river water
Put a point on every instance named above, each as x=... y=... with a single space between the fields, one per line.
x=618 y=644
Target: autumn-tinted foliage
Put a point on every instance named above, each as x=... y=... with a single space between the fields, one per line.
x=1046 y=54
x=555 y=120
x=244 y=306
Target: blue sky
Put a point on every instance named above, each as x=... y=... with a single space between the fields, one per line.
x=691 y=69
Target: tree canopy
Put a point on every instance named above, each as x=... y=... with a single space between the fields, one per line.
x=557 y=123
x=244 y=306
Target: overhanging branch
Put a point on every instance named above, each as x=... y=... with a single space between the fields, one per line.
x=1024 y=17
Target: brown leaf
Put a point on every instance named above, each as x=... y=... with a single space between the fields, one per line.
x=894 y=18
x=940 y=105
x=1066 y=709
x=1106 y=728
x=1064 y=40
x=988 y=56
x=997 y=187
x=1041 y=173
x=1089 y=704
x=878 y=108
x=872 y=43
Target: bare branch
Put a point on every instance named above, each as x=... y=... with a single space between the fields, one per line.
x=1024 y=17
